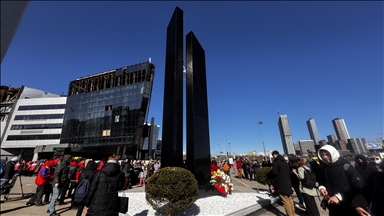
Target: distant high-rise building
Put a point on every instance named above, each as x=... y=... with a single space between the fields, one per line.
x=154 y=132
x=297 y=148
x=356 y=146
x=341 y=145
x=361 y=142
x=285 y=134
x=314 y=134
x=307 y=147
x=322 y=143
x=331 y=139
x=341 y=129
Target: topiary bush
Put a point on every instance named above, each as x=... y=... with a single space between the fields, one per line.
x=171 y=190
x=262 y=175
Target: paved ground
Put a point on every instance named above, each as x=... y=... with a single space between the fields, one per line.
x=16 y=204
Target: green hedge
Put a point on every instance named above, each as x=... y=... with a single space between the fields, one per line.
x=171 y=190
x=262 y=175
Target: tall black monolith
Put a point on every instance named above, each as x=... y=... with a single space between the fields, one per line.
x=172 y=138
x=198 y=146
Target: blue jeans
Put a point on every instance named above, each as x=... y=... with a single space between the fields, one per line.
x=55 y=194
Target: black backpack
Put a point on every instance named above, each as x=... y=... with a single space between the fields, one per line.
x=309 y=180
x=82 y=190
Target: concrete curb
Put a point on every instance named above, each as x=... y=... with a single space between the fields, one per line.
x=259 y=205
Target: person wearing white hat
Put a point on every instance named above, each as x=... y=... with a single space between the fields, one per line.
x=9 y=171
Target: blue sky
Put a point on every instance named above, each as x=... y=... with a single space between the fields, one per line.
x=320 y=60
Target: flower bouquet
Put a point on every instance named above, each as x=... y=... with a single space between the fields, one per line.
x=222 y=182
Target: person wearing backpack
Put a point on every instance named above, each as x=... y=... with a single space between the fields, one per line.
x=341 y=182
x=307 y=190
x=88 y=173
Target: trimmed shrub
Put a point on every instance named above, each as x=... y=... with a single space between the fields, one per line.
x=262 y=175
x=171 y=190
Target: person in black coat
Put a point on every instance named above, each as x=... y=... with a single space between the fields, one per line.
x=246 y=168
x=7 y=175
x=9 y=170
x=371 y=200
x=88 y=173
x=127 y=173
x=364 y=167
x=341 y=182
x=102 y=198
x=281 y=174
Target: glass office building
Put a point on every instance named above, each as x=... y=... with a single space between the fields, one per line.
x=106 y=112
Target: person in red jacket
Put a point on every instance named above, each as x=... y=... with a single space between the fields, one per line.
x=31 y=168
x=42 y=180
x=239 y=165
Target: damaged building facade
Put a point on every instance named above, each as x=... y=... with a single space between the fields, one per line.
x=106 y=112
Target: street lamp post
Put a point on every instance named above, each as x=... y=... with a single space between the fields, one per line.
x=226 y=147
x=262 y=139
x=229 y=146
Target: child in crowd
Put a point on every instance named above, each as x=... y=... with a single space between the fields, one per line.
x=142 y=177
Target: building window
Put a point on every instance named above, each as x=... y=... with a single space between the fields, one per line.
x=108 y=108
x=39 y=117
x=42 y=107
x=106 y=132
x=33 y=137
x=36 y=126
x=117 y=118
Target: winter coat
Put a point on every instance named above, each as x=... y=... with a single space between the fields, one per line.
x=281 y=177
x=340 y=182
x=364 y=168
x=246 y=165
x=61 y=172
x=102 y=197
x=300 y=176
x=9 y=170
x=127 y=169
x=372 y=198
x=239 y=164
x=42 y=177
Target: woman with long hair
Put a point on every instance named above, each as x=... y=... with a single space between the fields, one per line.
x=307 y=193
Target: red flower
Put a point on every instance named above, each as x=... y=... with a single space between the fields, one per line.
x=220 y=188
x=214 y=168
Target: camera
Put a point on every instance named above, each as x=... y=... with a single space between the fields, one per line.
x=324 y=203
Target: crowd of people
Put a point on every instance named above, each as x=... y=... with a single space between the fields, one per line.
x=57 y=180
x=342 y=188
x=346 y=189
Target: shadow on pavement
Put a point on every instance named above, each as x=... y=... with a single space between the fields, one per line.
x=13 y=209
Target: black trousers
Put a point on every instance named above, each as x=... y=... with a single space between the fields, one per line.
x=299 y=194
x=310 y=205
x=246 y=173
x=47 y=192
x=63 y=192
x=37 y=196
